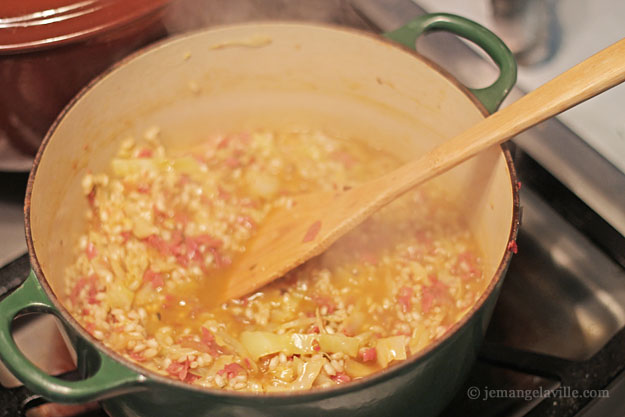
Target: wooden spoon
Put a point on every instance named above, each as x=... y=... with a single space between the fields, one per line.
x=289 y=237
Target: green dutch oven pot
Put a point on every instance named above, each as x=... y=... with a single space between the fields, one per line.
x=267 y=75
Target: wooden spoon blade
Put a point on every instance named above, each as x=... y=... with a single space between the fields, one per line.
x=288 y=237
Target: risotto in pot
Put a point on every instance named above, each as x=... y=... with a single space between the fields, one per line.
x=164 y=225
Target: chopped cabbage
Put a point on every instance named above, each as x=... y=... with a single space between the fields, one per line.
x=262 y=184
x=260 y=344
x=339 y=343
x=219 y=364
x=224 y=338
x=186 y=165
x=263 y=343
x=420 y=338
x=142 y=228
x=119 y=296
x=390 y=349
x=127 y=167
x=309 y=372
x=358 y=370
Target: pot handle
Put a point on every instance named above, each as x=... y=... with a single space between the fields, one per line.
x=491 y=96
x=109 y=379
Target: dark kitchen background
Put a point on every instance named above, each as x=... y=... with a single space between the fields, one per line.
x=560 y=320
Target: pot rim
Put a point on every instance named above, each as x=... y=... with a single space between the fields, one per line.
x=295 y=396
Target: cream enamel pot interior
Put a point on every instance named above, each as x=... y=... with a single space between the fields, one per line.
x=276 y=75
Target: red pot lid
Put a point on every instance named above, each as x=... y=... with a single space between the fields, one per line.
x=36 y=24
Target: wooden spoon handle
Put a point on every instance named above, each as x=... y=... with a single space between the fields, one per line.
x=587 y=79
